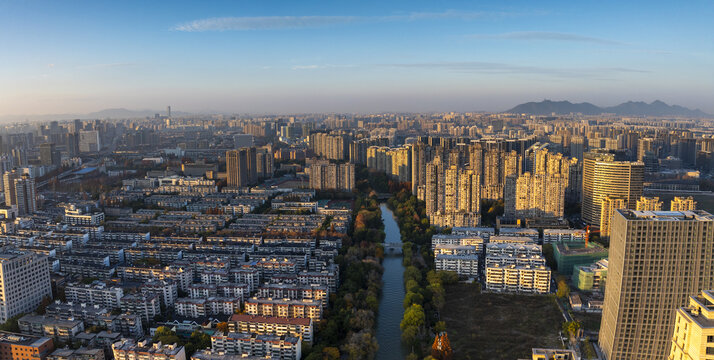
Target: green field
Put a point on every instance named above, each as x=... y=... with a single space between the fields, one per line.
x=499 y=326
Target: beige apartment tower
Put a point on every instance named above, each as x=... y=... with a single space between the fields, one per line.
x=656 y=261
x=649 y=204
x=694 y=329
x=607 y=208
x=681 y=203
x=606 y=173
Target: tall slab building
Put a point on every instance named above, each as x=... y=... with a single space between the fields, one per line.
x=657 y=260
x=607 y=174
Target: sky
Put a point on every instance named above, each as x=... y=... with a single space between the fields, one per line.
x=74 y=57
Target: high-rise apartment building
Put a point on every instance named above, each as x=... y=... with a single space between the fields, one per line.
x=241 y=167
x=330 y=146
x=25 y=282
x=607 y=173
x=648 y=204
x=49 y=155
x=20 y=192
x=328 y=176
x=656 y=261
x=607 y=209
x=694 y=329
x=680 y=203
x=89 y=141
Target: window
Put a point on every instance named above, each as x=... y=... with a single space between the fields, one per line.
x=710 y=351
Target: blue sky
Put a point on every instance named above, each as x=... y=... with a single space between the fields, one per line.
x=350 y=56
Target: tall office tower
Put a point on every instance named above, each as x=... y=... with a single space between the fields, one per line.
x=168 y=111
x=649 y=204
x=327 y=176
x=607 y=208
x=49 y=155
x=656 y=260
x=237 y=168
x=89 y=141
x=680 y=203
x=25 y=195
x=606 y=173
x=25 y=282
x=694 y=329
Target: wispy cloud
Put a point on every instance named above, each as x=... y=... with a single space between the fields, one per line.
x=504 y=68
x=106 y=66
x=321 y=66
x=546 y=36
x=300 y=22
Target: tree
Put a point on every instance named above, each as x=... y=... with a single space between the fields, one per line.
x=331 y=353
x=413 y=316
x=563 y=288
x=222 y=327
x=441 y=349
x=41 y=309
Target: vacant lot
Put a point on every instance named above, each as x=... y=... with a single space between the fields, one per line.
x=496 y=326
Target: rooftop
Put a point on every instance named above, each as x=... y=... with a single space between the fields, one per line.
x=695 y=215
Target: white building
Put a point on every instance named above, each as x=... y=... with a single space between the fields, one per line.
x=25 y=281
x=96 y=293
x=127 y=349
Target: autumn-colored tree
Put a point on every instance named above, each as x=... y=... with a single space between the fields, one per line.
x=222 y=326
x=441 y=349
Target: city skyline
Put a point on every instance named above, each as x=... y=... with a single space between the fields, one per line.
x=350 y=57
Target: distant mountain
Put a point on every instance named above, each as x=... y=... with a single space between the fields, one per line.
x=637 y=108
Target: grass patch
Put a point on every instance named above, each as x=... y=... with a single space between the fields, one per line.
x=499 y=326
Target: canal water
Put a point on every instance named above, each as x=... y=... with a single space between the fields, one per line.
x=390 y=305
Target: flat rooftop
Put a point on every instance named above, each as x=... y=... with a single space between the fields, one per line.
x=694 y=215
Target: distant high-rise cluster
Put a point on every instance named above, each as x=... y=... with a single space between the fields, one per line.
x=541 y=191
x=330 y=146
x=395 y=162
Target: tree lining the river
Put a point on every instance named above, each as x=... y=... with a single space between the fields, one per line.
x=348 y=329
x=425 y=294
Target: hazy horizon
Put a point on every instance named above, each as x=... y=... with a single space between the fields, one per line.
x=350 y=57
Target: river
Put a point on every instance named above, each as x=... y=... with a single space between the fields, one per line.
x=390 y=305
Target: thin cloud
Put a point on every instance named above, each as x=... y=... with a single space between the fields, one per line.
x=504 y=68
x=546 y=36
x=245 y=23
x=106 y=66
x=321 y=66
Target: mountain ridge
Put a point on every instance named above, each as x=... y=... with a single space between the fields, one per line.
x=635 y=108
